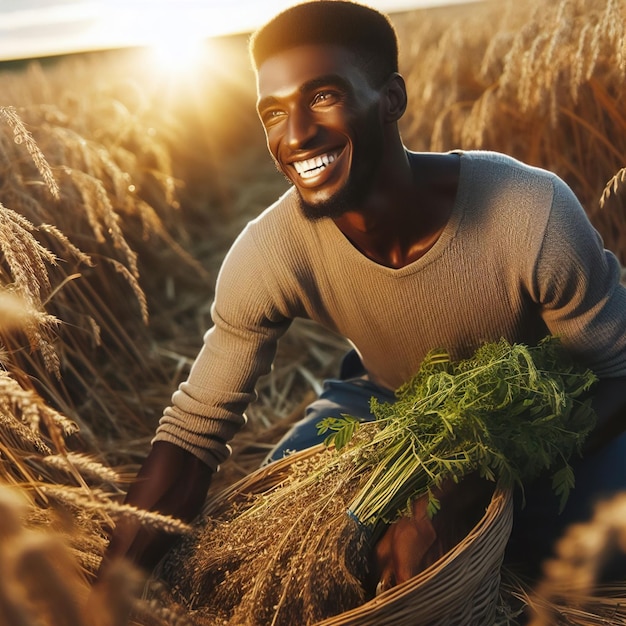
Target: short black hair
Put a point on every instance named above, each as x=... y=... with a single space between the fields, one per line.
x=355 y=26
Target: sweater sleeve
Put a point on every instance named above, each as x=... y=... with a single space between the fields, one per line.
x=208 y=408
x=578 y=289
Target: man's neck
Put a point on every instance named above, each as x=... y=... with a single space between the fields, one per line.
x=404 y=218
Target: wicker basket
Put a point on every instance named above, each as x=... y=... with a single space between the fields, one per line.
x=460 y=589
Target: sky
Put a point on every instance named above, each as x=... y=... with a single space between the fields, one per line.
x=39 y=28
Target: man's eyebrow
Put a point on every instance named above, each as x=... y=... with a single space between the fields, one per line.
x=266 y=103
x=311 y=85
x=324 y=81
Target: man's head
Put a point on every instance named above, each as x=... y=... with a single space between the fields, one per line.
x=329 y=98
x=356 y=27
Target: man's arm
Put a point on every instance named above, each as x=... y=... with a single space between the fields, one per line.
x=171 y=481
x=411 y=544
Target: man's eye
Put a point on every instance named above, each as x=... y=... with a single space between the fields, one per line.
x=325 y=97
x=272 y=116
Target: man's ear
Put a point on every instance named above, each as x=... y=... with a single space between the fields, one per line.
x=395 y=98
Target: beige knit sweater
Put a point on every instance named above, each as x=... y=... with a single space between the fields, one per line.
x=518 y=259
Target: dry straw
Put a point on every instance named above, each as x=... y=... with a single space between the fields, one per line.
x=69 y=223
x=22 y=135
x=543 y=82
x=572 y=590
x=42 y=583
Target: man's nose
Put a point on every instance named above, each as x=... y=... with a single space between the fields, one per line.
x=301 y=128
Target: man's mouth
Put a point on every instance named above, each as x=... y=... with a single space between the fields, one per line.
x=308 y=168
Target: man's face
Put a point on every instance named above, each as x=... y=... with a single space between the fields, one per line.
x=323 y=126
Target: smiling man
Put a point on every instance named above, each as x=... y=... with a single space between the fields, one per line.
x=310 y=91
x=398 y=251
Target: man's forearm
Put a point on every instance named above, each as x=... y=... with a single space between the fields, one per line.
x=171 y=481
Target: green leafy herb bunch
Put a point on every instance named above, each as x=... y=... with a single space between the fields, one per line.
x=510 y=412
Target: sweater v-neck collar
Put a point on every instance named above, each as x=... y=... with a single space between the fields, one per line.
x=337 y=241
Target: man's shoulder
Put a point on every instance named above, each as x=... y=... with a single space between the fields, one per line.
x=492 y=163
x=508 y=180
x=281 y=229
x=284 y=210
x=273 y=223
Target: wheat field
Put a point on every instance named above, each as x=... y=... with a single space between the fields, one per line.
x=121 y=191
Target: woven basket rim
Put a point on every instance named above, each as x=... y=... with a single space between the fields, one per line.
x=500 y=506
x=265 y=477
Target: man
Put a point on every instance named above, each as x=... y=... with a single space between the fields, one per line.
x=398 y=251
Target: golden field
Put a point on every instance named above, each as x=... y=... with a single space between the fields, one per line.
x=121 y=189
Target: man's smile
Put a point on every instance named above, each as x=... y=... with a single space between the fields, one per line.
x=315 y=170
x=308 y=168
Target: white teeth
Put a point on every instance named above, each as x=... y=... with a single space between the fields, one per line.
x=311 y=167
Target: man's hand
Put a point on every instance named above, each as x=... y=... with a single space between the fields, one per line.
x=171 y=481
x=415 y=542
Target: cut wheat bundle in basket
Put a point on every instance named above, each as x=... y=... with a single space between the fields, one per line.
x=292 y=542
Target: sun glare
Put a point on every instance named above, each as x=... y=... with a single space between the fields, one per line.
x=174 y=33
x=176 y=42
x=176 y=55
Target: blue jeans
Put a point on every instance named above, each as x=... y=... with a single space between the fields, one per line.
x=536 y=526
x=338 y=397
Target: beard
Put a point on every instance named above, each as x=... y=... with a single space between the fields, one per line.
x=347 y=198
x=358 y=186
